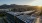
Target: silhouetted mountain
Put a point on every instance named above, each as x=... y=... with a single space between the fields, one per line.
x=18 y=7
x=12 y=6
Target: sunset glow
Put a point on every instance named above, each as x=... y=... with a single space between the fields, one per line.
x=36 y=3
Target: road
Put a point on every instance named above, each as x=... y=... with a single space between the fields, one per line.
x=40 y=19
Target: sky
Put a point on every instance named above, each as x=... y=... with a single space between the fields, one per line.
x=22 y=2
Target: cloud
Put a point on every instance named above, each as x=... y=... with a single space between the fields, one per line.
x=16 y=1
x=36 y=3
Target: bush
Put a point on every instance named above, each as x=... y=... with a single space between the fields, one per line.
x=2 y=14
